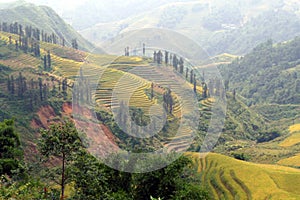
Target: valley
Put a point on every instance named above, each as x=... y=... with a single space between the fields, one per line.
x=226 y=128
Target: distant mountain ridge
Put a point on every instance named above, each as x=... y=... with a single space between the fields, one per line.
x=233 y=27
x=44 y=18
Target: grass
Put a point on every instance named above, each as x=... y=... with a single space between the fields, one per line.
x=229 y=178
x=294 y=138
x=291 y=161
x=294 y=128
x=291 y=140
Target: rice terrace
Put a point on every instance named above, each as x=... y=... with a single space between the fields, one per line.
x=153 y=100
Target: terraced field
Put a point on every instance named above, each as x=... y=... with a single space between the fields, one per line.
x=291 y=161
x=228 y=178
x=294 y=137
x=184 y=106
x=118 y=78
x=291 y=143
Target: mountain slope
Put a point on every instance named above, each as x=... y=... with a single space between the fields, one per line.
x=278 y=25
x=219 y=27
x=228 y=178
x=44 y=18
x=269 y=74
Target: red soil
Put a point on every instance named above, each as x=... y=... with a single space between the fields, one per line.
x=101 y=140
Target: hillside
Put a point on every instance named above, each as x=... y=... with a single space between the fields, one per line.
x=279 y=25
x=106 y=12
x=152 y=101
x=27 y=87
x=228 y=178
x=45 y=19
x=104 y=73
x=269 y=74
x=233 y=27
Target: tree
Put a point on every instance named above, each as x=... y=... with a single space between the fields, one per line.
x=152 y=93
x=205 y=89
x=192 y=76
x=168 y=101
x=234 y=93
x=17 y=45
x=74 y=44
x=36 y=49
x=41 y=88
x=159 y=57
x=161 y=183
x=45 y=62
x=187 y=73
x=166 y=57
x=62 y=141
x=127 y=50
x=226 y=85
x=144 y=49
x=10 y=40
x=191 y=192
x=49 y=60
x=65 y=87
x=195 y=84
x=46 y=91
x=155 y=57
x=12 y=82
x=8 y=84
x=181 y=64
x=89 y=177
x=175 y=62
x=11 y=154
x=22 y=86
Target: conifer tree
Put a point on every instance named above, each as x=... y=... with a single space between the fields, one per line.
x=49 y=60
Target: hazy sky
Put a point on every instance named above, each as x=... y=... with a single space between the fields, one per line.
x=56 y=4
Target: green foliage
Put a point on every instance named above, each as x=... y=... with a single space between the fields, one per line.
x=92 y=179
x=269 y=74
x=89 y=178
x=160 y=183
x=61 y=140
x=28 y=190
x=168 y=101
x=275 y=112
x=191 y=192
x=11 y=154
x=268 y=136
x=241 y=123
x=138 y=116
x=170 y=182
x=241 y=156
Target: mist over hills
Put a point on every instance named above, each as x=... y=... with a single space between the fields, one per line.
x=233 y=26
x=44 y=18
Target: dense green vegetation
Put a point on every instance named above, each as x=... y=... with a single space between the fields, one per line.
x=11 y=155
x=90 y=178
x=269 y=74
